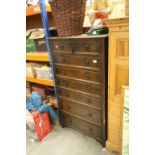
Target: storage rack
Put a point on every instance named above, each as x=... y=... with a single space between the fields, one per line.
x=42 y=10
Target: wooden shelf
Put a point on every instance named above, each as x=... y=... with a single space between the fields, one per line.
x=35 y=10
x=37 y=57
x=40 y=81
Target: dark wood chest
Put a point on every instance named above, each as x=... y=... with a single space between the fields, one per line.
x=80 y=70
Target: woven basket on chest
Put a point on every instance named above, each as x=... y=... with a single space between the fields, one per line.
x=68 y=16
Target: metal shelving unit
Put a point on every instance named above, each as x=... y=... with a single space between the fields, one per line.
x=42 y=9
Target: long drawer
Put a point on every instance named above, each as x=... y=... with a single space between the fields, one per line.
x=78 y=85
x=89 y=62
x=88 y=128
x=78 y=73
x=85 y=112
x=89 y=100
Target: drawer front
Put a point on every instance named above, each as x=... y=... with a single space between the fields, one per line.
x=81 y=111
x=78 y=73
x=77 y=85
x=80 y=97
x=61 y=46
x=78 y=61
x=82 y=125
x=89 y=46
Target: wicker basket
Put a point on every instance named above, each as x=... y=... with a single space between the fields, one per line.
x=68 y=16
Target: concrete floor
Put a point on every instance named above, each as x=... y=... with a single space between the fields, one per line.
x=65 y=141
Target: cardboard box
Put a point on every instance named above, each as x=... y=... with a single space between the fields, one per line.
x=37 y=37
x=30 y=44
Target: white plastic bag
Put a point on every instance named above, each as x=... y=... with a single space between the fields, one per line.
x=30 y=121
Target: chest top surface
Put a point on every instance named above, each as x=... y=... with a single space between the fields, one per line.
x=82 y=36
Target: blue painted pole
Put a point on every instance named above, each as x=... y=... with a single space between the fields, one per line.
x=47 y=34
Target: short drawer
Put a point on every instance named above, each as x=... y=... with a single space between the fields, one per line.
x=78 y=61
x=78 y=85
x=82 y=125
x=60 y=46
x=78 y=74
x=79 y=97
x=81 y=111
x=86 y=46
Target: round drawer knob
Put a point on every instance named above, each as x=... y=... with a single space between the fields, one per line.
x=62 y=59
x=64 y=72
x=86 y=62
x=90 y=129
x=70 y=121
x=95 y=61
x=88 y=100
x=87 y=75
x=67 y=95
x=89 y=114
x=65 y=83
x=86 y=47
x=69 y=107
x=88 y=88
x=62 y=47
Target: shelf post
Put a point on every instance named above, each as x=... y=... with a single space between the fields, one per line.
x=47 y=35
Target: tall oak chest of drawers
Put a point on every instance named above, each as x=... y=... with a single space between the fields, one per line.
x=80 y=70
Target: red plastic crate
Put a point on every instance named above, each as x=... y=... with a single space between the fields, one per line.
x=42 y=124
